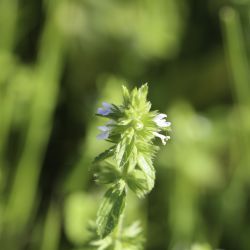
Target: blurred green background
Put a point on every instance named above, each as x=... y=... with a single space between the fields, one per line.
x=59 y=59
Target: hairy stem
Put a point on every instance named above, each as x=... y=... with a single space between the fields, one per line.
x=118 y=233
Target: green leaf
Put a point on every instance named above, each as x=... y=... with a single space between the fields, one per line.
x=134 y=98
x=143 y=105
x=132 y=237
x=104 y=155
x=108 y=174
x=132 y=162
x=124 y=150
x=138 y=183
x=126 y=96
x=146 y=165
x=143 y=92
x=138 y=99
x=101 y=244
x=111 y=209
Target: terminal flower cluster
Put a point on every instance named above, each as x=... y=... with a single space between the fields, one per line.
x=133 y=115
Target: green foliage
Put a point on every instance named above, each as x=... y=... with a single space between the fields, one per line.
x=131 y=238
x=111 y=209
x=108 y=173
x=137 y=181
x=104 y=155
x=61 y=59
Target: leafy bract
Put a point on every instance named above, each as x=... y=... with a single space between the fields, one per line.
x=111 y=209
x=126 y=95
x=104 y=155
x=138 y=183
x=124 y=149
x=131 y=238
x=146 y=165
x=108 y=174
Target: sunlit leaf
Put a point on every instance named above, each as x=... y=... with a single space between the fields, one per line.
x=124 y=149
x=104 y=155
x=145 y=164
x=107 y=174
x=110 y=210
x=132 y=237
x=126 y=95
x=138 y=183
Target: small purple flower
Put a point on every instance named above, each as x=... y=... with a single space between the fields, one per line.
x=161 y=122
x=105 y=132
x=105 y=110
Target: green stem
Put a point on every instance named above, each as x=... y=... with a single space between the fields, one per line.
x=118 y=232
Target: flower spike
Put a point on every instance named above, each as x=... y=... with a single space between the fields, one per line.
x=132 y=128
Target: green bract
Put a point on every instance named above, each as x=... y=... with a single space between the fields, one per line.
x=132 y=128
x=131 y=239
x=110 y=209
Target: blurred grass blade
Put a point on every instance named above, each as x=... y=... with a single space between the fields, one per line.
x=46 y=80
x=237 y=55
x=51 y=233
x=8 y=18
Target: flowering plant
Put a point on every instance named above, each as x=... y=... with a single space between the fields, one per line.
x=132 y=129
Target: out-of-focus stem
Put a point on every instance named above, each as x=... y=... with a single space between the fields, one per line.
x=235 y=49
x=51 y=233
x=8 y=19
x=239 y=68
x=118 y=232
x=20 y=207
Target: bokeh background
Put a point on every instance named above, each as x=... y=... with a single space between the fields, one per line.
x=59 y=59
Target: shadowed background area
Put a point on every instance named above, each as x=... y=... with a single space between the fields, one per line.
x=60 y=59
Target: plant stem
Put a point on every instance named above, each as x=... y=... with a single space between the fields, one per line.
x=118 y=233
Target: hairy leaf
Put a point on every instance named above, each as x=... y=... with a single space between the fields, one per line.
x=108 y=174
x=138 y=183
x=132 y=237
x=110 y=210
x=126 y=95
x=145 y=164
x=104 y=155
x=124 y=149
